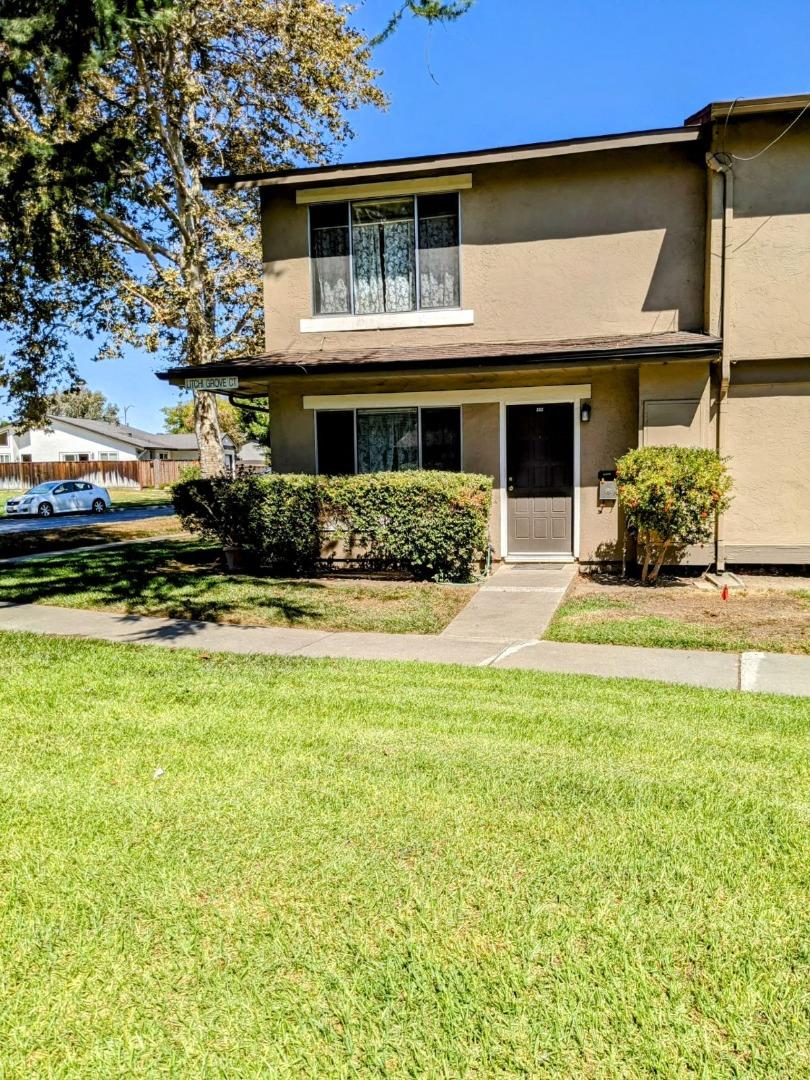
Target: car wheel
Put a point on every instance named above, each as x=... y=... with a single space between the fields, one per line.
x=45 y=510
x=99 y=506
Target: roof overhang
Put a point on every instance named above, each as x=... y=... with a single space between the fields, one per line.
x=722 y=110
x=464 y=160
x=676 y=345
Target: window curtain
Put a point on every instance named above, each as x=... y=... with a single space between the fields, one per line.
x=387 y=440
x=438 y=262
x=384 y=278
x=330 y=250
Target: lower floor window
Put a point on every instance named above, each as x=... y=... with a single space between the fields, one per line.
x=108 y=455
x=388 y=440
x=75 y=457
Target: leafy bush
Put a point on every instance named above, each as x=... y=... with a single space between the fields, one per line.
x=428 y=524
x=671 y=495
x=273 y=520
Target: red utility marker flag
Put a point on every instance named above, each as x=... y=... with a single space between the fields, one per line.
x=724 y=593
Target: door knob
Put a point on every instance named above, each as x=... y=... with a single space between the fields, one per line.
x=511 y=487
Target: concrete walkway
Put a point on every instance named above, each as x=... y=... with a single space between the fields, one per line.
x=516 y=604
x=723 y=671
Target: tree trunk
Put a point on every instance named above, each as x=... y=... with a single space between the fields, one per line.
x=645 y=569
x=659 y=562
x=209 y=438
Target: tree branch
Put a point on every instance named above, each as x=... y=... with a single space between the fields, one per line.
x=134 y=240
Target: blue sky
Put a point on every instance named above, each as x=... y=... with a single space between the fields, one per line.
x=515 y=71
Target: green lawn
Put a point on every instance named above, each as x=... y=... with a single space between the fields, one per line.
x=119 y=496
x=243 y=867
x=183 y=579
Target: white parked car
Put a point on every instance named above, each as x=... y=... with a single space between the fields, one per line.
x=61 y=497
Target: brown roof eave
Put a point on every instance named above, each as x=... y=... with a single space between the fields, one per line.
x=388 y=168
x=569 y=358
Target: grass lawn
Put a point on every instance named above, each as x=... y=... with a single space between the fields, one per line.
x=238 y=867
x=679 y=616
x=119 y=496
x=183 y=579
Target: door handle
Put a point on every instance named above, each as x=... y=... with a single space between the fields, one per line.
x=510 y=488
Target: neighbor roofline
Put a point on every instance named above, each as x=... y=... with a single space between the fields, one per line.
x=76 y=421
x=321 y=174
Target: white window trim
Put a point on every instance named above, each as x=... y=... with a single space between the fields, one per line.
x=387 y=320
x=418 y=408
x=502 y=396
x=73 y=456
x=428 y=185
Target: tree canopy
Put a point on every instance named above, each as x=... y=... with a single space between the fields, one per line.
x=241 y=424
x=112 y=113
x=84 y=404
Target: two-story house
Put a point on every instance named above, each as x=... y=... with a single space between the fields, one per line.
x=531 y=312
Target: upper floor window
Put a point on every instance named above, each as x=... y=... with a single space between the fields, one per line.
x=385 y=255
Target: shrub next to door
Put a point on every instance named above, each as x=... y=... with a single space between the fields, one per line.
x=432 y=525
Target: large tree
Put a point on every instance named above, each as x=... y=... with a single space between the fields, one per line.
x=241 y=424
x=81 y=402
x=138 y=254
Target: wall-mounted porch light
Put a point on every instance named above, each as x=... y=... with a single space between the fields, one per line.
x=585 y=412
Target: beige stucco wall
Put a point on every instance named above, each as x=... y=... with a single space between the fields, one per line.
x=770 y=267
x=767 y=442
x=481 y=443
x=568 y=247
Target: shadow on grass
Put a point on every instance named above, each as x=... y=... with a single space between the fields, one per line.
x=178 y=579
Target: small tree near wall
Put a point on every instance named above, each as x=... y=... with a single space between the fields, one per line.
x=672 y=496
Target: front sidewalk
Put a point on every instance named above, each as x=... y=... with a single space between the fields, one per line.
x=761 y=672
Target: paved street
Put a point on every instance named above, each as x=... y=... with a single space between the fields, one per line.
x=10 y=525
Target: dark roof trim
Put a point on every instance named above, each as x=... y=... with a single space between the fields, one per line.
x=321 y=174
x=719 y=110
x=258 y=366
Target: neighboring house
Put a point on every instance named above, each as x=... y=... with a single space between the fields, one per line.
x=72 y=439
x=252 y=454
x=531 y=312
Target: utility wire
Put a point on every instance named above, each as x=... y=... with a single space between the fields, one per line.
x=773 y=142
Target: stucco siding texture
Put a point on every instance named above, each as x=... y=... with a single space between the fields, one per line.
x=481 y=445
x=561 y=248
x=770 y=269
x=767 y=442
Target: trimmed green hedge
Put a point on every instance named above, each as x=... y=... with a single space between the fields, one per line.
x=432 y=525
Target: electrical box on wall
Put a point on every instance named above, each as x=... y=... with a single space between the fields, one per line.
x=608 y=487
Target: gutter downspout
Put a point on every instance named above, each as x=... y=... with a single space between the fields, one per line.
x=722 y=164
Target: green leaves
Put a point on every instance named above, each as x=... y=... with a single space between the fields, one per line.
x=433 y=11
x=431 y=525
x=672 y=495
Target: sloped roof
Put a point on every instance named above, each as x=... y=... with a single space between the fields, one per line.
x=587 y=350
x=126 y=433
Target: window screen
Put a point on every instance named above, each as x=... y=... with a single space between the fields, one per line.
x=438 y=251
x=441 y=439
x=329 y=243
x=335 y=432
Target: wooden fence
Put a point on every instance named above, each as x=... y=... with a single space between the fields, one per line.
x=110 y=474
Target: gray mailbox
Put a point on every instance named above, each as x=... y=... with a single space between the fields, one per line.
x=608 y=487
